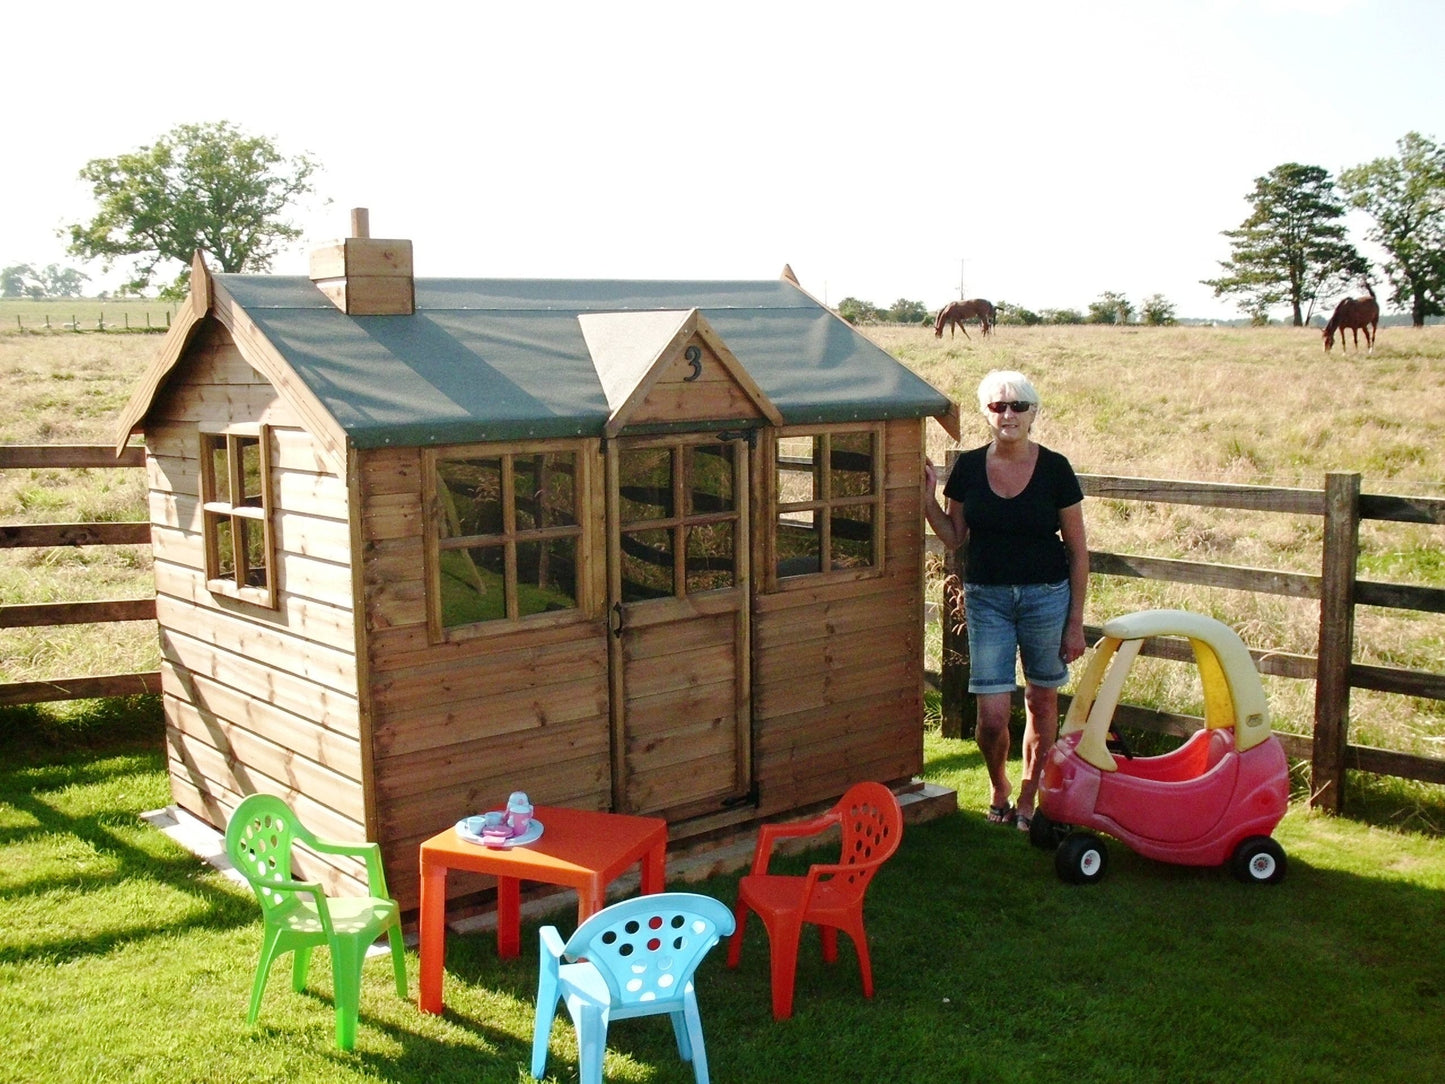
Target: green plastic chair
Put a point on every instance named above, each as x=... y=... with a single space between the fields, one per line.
x=298 y=915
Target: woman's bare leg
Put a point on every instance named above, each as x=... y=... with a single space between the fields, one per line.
x=1041 y=708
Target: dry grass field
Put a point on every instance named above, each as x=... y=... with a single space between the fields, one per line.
x=1255 y=406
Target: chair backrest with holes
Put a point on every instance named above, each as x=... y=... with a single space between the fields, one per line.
x=647 y=948
x=258 y=842
x=872 y=826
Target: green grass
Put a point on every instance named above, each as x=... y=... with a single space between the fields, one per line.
x=122 y=957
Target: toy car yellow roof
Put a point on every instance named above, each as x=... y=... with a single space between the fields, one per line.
x=1233 y=694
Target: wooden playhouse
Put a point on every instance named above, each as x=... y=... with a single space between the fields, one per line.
x=653 y=547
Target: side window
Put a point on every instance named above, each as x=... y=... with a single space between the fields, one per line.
x=508 y=536
x=236 y=515
x=830 y=516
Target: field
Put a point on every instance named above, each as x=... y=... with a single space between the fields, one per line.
x=1262 y=406
x=64 y=314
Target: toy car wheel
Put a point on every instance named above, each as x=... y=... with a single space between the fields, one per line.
x=1081 y=859
x=1259 y=860
x=1044 y=833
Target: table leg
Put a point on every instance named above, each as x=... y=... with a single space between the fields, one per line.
x=432 y=936
x=509 y=917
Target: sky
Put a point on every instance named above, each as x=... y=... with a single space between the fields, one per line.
x=1038 y=153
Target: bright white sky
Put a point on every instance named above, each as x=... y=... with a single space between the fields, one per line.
x=1035 y=152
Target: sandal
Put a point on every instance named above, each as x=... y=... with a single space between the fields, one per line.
x=1001 y=814
x=1023 y=821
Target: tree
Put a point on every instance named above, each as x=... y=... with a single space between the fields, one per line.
x=1062 y=316
x=1158 y=311
x=15 y=278
x=904 y=311
x=1406 y=198
x=1009 y=313
x=62 y=281
x=1292 y=247
x=858 y=312
x=208 y=186
x=1110 y=308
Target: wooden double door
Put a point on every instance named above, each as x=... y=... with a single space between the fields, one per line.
x=678 y=612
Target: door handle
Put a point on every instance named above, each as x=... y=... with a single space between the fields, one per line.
x=615 y=621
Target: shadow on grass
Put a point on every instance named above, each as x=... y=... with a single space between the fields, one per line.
x=65 y=846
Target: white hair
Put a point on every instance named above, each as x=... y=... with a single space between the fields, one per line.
x=1004 y=385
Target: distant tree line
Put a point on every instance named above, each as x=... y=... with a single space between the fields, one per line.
x=1110 y=308
x=23 y=280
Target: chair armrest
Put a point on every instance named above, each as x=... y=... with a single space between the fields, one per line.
x=768 y=834
x=552 y=945
x=375 y=875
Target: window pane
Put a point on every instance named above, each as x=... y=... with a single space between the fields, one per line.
x=215 y=448
x=709 y=474
x=798 y=470
x=545 y=486
x=799 y=546
x=645 y=484
x=546 y=576
x=472 y=585
x=647 y=562
x=470 y=491
x=252 y=537
x=852 y=463
x=710 y=557
x=852 y=529
x=249 y=450
x=225 y=547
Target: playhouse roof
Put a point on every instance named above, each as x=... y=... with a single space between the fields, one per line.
x=499 y=359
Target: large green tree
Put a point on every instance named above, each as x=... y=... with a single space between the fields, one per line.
x=1406 y=198
x=1292 y=248
x=208 y=186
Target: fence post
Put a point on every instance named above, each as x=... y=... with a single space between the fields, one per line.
x=955 y=705
x=1337 y=638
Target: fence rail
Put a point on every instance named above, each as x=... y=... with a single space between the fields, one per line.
x=1339 y=591
x=49 y=614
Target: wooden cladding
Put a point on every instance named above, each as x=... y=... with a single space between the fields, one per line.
x=365 y=276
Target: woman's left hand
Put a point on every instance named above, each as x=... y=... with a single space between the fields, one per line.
x=1073 y=644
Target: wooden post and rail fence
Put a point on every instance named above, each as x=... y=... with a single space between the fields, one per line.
x=1340 y=504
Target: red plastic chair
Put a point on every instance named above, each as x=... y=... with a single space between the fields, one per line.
x=829 y=896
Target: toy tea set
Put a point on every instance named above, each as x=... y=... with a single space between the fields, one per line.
x=511 y=827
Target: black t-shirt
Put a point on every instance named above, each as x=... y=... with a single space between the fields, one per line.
x=1014 y=539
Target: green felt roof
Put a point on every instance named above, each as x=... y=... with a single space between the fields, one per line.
x=496 y=359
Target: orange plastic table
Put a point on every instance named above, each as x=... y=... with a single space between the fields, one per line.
x=580 y=849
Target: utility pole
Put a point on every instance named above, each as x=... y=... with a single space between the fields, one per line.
x=961 y=295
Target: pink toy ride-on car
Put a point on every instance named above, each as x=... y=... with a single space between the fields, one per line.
x=1215 y=799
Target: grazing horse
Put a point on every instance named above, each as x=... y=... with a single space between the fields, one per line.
x=1352 y=314
x=956 y=312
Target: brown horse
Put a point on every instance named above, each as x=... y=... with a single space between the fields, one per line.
x=956 y=312
x=1352 y=314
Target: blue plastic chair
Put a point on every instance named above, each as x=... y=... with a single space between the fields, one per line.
x=634 y=958
x=298 y=915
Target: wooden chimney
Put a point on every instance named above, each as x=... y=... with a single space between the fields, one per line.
x=366 y=276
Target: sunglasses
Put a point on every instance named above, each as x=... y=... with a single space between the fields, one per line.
x=1018 y=406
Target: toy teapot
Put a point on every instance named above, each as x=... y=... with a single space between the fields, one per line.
x=519 y=813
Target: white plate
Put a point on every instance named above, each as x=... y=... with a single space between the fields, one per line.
x=531 y=835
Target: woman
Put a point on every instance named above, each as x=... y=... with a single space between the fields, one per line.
x=1017 y=508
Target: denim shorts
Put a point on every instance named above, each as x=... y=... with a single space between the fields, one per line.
x=1006 y=621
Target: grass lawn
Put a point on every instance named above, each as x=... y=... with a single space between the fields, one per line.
x=124 y=958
